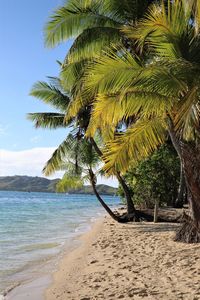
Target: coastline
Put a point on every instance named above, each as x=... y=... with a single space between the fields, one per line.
x=38 y=230
x=73 y=264
x=128 y=261
x=35 y=288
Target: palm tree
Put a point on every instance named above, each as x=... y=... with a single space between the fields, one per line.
x=95 y=25
x=54 y=94
x=77 y=157
x=160 y=90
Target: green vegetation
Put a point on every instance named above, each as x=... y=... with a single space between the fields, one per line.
x=132 y=77
x=155 y=179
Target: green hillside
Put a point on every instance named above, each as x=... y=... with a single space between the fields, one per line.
x=40 y=184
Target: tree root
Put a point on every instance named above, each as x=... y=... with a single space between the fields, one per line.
x=188 y=232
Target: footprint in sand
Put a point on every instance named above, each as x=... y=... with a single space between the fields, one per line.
x=93 y=261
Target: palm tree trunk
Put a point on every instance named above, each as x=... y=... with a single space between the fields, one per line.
x=130 y=206
x=181 y=190
x=182 y=183
x=96 y=148
x=128 y=195
x=190 y=230
x=190 y=159
x=93 y=183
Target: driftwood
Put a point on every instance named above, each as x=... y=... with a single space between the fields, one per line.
x=147 y=216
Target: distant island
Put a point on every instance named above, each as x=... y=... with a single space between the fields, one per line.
x=40 y=184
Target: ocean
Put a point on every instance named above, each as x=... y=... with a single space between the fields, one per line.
x=35 y=228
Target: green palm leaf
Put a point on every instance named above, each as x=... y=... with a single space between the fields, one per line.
x=91 y=42
x=47 y=120
x=69 y=182
x=61 y=155
x=113 y=72
x=164 y=29
x=188 y=114
x=77 y=15
x=134 y=145
x=50 y=94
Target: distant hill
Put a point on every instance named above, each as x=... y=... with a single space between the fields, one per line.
x=40 y=184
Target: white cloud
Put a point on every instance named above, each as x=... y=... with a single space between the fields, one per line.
x=31 y=162
x=26 y=162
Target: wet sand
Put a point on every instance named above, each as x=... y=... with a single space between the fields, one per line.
x=128 y=261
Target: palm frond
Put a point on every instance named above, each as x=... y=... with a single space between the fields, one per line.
x=134 y=145
x=126 y=11
x=187 y=119
x=103 y=118
x=164 y=77
x=69 y=182
x=76 y=105
x=48 y=120
x=163 y=29
x=60 y=155
x=91 y=42
x=71 y=74
x=146 y=104
x=77 y=15
x=50 y=94
x=87 y=155
x=112 y=72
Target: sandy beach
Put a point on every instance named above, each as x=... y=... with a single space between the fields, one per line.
x=128 y=261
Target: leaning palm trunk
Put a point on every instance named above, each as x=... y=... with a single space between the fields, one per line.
x=130 y=206
x=93 y=183
x=131 y=211
x=121 y=219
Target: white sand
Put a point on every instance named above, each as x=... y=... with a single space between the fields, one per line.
x=129 y=261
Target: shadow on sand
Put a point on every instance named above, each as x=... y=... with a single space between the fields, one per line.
x=153 y=227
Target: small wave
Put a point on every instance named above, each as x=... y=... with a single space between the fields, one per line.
x=40 y=246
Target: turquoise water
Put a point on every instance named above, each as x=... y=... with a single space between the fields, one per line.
x=36 y=227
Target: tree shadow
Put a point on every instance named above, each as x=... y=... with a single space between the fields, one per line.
x=153 y=227
x=158 y=227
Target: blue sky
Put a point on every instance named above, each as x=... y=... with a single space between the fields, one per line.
x=24 y=60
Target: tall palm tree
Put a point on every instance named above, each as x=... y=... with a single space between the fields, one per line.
x=160 y=90
x=95 y=25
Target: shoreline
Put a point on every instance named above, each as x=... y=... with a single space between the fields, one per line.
x=35 y=288
x=72 y=264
